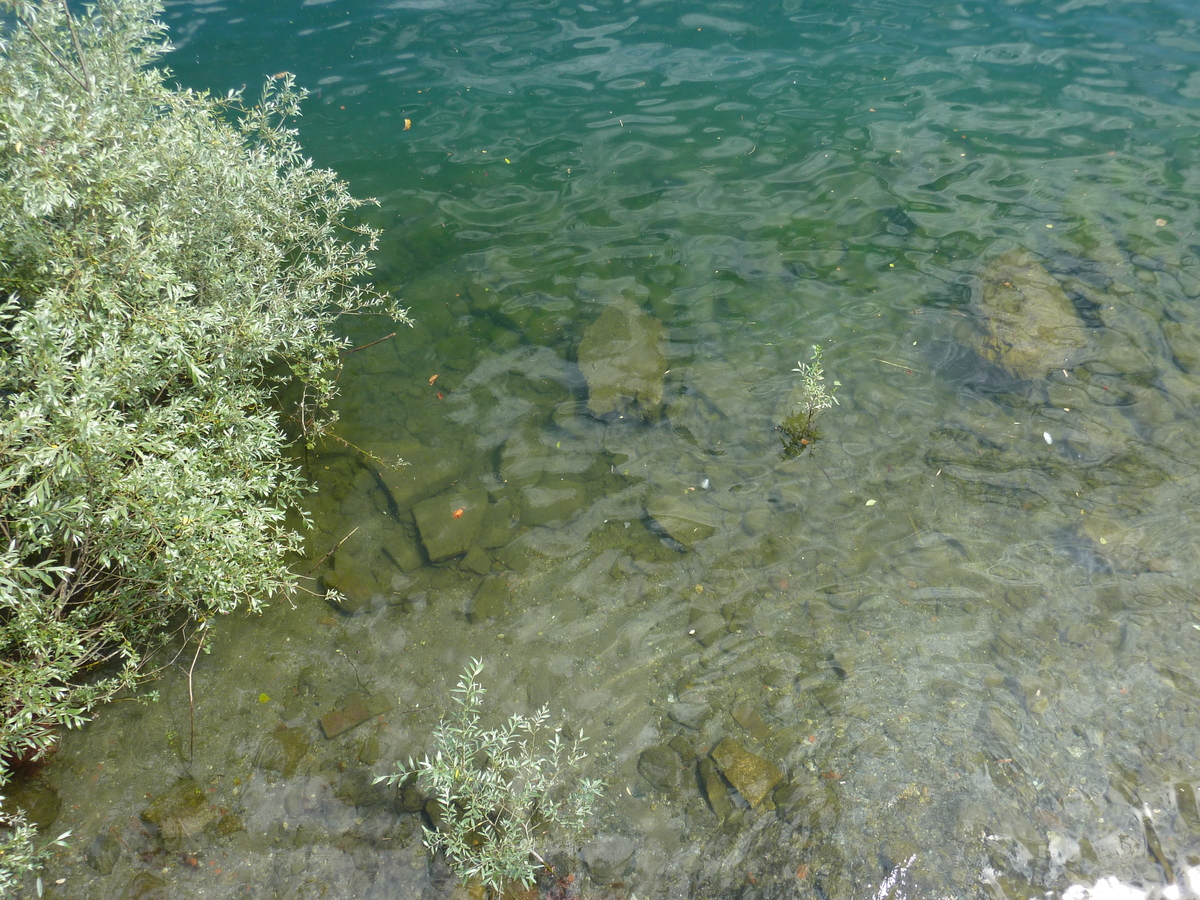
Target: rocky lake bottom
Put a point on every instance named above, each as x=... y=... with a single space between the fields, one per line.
x=952 y=649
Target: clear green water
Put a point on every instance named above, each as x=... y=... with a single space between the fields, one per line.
x=971 y=651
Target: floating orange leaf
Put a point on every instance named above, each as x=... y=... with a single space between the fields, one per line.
x=433 y=378
x=407 y=124
x=458 y=513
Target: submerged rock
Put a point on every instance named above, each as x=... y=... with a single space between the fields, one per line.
x=621 y=357
x=609 y=857
x=103 y=852
x=433 y=465
x=1030 y=325
x=490 y=599
x=450 y=522
x=660 y=766
x=683 y=520
x=747 y=716
x=145 y=886
x=282 y=750
x=752 y=776
x=807 y=801
x=353 y=585
x=400 y=548
x=477 y=561
x=715 y=790
x=37 y=798
x=552 y=499
x=523 y=459
x=690 y=713
x=181 y=812
x=352 y=710
x=706 y=624
x=500 y=524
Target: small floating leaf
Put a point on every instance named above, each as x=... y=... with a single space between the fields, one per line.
x=264 y=698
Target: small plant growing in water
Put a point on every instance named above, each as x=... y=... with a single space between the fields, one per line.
x=799 y=429
x=500 y=792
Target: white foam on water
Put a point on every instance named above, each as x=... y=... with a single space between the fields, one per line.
x=1111 y=888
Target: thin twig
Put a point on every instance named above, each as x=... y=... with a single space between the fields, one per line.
x=374 y=457
x=90 y=87
x=332 y=551
x=549 y=868
x=909 y=369
x=372 y=344
x=62 y=65
x=819 y=466
x=192 y=703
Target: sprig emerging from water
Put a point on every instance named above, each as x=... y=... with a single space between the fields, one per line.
x=799 y=429
x=499 y=792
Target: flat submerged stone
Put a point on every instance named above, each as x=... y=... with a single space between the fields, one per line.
x=450 y=522
x=683 y=520
x=621 y=357
x=352 y=711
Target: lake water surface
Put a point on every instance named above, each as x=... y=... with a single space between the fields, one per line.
x=962 y=622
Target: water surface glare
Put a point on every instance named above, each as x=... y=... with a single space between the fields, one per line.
x=961 y=623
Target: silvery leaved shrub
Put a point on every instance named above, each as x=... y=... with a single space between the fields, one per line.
x=170 y=269
x=500 y=794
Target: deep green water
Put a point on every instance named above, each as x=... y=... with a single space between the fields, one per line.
x=964 y=626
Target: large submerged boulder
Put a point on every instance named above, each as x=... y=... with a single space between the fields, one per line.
x=621 y=357
x=1030 y=325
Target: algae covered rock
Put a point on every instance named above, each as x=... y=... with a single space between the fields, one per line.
x=1030 y=325
x=181 y=812
x=621 y=357
x=281 y=751
x=752 y=776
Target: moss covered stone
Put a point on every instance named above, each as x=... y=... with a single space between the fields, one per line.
x=621 y=357
x=752 y=776
x=1030 y=324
